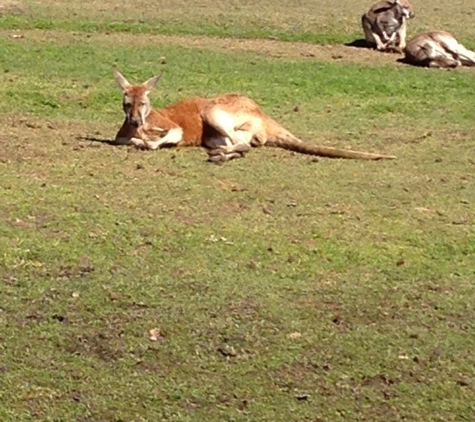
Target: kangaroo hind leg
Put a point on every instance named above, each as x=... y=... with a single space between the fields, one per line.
x=221 y=148
x=466 y=56
x=225 y=123
x=230 y=140
x=438 y=56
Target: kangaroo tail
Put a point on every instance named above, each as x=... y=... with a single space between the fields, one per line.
x=291 y=143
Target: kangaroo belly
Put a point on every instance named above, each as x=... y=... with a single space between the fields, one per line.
x=187 y=115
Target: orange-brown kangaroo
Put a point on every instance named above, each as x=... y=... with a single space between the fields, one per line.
x=227 y=126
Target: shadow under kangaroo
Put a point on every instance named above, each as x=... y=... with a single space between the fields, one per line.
x=99 y=140
x=405 y=60
x=359 y=43
x=113 y=142
x=362 y=43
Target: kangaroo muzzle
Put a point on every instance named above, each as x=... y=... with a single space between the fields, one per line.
x=135 y=122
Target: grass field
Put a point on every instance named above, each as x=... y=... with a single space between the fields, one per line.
x=279 y=287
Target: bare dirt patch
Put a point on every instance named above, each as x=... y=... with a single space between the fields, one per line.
x=311 y=16
x=12 y=7
x=272 y=48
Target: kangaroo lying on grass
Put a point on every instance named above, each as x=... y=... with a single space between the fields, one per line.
x=227 y=126
x=384 y=24
x=437 y=49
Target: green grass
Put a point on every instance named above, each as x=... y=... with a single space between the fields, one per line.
x=166 y=28
x=287 y=20
x=286 y=289
x=383 y=95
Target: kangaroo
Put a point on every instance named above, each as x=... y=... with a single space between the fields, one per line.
x=438 y=49
x=227 y=126
x=384 y=24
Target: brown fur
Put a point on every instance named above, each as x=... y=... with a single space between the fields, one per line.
x=227 y=126
x=184 y=114
x=438 y=49
x=384 y=24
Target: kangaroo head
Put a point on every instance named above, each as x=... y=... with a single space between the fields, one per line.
x=136 y=103
x=405 y=8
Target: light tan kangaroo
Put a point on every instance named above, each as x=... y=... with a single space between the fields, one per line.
x=384 y=24
x=438 y=49
x=227 y=126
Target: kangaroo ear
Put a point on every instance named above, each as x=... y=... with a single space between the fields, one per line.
x=120 y=79
x=152 y=82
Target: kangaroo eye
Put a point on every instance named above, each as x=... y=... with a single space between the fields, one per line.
x=142 y=103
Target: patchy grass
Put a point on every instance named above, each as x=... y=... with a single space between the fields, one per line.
x=163 y=27
x=287 y=20
x=385 y=96
x=283 y=288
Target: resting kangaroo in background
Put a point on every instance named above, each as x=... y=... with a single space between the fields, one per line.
x=384 y=24
x=227 y=126
x=438 y=49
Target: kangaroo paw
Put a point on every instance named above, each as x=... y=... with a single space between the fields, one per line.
x=241 y=148
x=216 y=155
x=217 y=151
x=233 y=155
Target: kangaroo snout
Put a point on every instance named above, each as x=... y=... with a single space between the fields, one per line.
x=135 y=122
